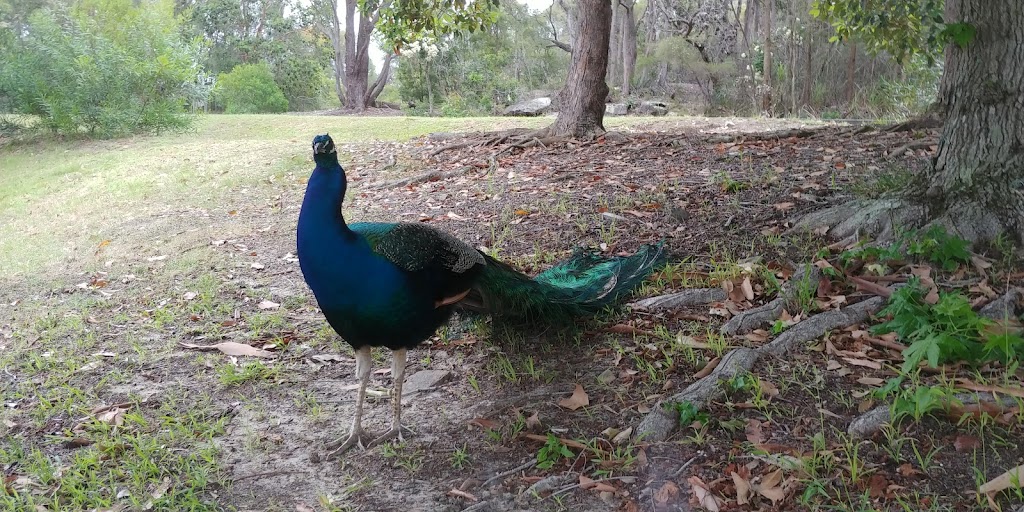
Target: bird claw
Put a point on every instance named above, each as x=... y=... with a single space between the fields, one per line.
x=394 y=434
x=356 y=437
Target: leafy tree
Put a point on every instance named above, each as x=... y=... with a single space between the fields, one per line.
x=250 y=89
x=281 y=33
x=399 y=23
x=108 y=67
x=975 y=186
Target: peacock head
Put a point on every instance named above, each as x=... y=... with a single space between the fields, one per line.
x=323 y=145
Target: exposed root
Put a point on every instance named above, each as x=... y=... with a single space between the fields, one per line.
x=660 y=423
x=691 y=297
x=776 y=135
x=870 y=423
x=911 y=146
x=876 y=218
x=763 y=315
x=1004 y=307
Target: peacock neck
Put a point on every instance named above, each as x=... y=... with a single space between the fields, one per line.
x=321 y=206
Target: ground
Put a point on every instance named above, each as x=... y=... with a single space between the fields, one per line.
x=123 y=258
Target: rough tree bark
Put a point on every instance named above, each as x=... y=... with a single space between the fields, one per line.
x=581 y=110
x=628 y=31
x=357 y=55
x=975 y=187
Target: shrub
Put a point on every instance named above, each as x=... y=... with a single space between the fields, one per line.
x=107 y=68
x=250 y=89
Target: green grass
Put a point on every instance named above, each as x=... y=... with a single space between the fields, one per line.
x=63 y=200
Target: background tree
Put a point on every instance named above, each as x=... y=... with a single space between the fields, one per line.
x=975 y=183
x=581 y=101
x=283 y=34
x=105 y=67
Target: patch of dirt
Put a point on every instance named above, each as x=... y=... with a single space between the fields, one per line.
x=714 y=203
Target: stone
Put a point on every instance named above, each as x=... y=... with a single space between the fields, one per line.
x=651 y=108
x=529 y=108
x=424 y=380
x=616 y=109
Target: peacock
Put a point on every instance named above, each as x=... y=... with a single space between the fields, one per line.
x=393 y=284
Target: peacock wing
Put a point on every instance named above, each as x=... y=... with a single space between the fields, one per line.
x=420 y=248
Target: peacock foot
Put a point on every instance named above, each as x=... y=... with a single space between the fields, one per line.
x=358 y=437
x=394 y=434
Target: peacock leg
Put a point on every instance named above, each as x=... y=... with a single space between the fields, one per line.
x=356 y=434
x=398 y=372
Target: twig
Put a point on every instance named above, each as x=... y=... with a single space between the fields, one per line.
x=573 y=486
x=269 y=473
x=684 y=466
x=509 y=472
x=885 y=343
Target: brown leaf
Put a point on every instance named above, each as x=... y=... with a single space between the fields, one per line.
x=485 y=423
x=871 y=381
x=668 y=493
x=874 y=365
x=708 y=368
x=571 y=443
x=578 y=399
x=747 y=288
x=533 y=422
x=1010 y=479
x=784 y=206
x=753 y=431
x=462 y=494
x=231 y=348
x=705 y=498
x=964 y=442
x=742 y=488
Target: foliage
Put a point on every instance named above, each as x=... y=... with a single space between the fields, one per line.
x=553 y=450
x=281 y=33
x=938 y=246
x=250 y=89
x=900 y=27
x=947 y=331
x=478 y=73
x=108 y=67
x=405 y=21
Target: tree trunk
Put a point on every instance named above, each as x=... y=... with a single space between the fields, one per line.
x=628 y=45
x=357 y=54
x=977 y=183
x=851 y=72
x=334 y=34
x=581 y=111
x=382 y=80
x=766 y=98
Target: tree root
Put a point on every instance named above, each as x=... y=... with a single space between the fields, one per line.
x=911 y=146
x=870 y=423
x=776 y=135
x=877 y=218
x=765 y=314
x=661 y=422
x=1004 y=307
x=690 y=297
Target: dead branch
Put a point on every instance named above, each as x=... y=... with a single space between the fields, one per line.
x=910 y=146
x=677 y=300
x=423 y=178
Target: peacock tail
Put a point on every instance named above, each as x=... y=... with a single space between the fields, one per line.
x=580 y=286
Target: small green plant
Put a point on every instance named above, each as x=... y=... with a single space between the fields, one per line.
x=689 y=413
x=917 y=401
x=728 y=184
x=231 y=375
x=939 y=247
x=552 y=451
x=460 y=458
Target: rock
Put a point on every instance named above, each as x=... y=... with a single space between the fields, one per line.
x=651 y=108
x=424 y=381
x=529 y=108
x=616 y=109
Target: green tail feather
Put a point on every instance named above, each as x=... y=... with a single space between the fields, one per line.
x=580 y=286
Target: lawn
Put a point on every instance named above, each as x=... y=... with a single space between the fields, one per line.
x=124 y=261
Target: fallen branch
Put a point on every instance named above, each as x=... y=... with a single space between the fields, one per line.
x=910 y=146
x=503 y=474
x=425 y=177
x=870 y=423
x=690 y=297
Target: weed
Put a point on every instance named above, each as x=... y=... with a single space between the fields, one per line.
x=552 y=451
x=460 y=458
x=231 y=375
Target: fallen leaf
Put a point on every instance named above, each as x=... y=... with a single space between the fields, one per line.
x=871 y=381
x=462 y=494
x=874 y=365
x=231 y=348
x=267 y=304
x=1012 y=479
x=485 y=423
x=578 y=399
x=742 y=488
x=965 y=442
x=668 y=493
x=533 y=422
x=703 y=495
x=753 y=431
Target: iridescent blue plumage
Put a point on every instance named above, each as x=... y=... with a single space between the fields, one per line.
x=392 y=285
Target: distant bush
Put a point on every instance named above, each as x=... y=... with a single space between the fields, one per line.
x=106 y=68
x=250 y=89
